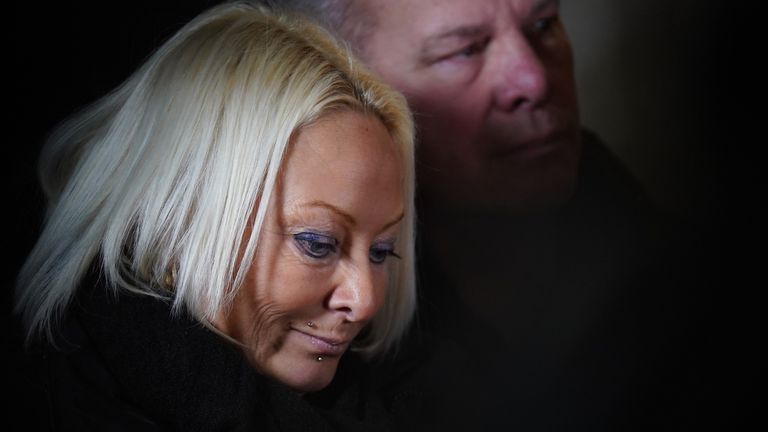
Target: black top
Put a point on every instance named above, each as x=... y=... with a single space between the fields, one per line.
x=584 y=326
x=125 y=364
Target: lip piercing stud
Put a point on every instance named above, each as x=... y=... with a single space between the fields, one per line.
x=310 y=324
x=319 y=358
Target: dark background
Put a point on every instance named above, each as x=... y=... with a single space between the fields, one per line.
x=650 y=77
x=662 y=82
x=66 y=55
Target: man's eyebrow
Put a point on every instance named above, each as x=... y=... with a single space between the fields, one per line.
x=346 y=216
x=543 y=4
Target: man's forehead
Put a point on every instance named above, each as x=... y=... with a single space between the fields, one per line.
x=432 y=17
x=436 y=18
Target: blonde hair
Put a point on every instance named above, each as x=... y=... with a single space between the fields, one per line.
x=161 y=176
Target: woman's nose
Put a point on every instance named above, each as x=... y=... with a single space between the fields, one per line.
x=357 y=293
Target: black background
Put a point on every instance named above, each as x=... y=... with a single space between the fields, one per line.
x=67 y=54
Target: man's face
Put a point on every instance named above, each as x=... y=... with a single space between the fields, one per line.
x=492 y=89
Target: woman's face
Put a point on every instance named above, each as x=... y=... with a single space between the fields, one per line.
x=321 y=267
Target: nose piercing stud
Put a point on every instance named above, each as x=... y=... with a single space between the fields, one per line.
x=310 y=324
x=319 y=358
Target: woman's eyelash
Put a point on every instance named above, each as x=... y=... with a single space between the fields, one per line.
x=316 y=245
x=320 y=246
x=377 y=254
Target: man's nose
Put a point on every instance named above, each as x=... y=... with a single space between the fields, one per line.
x=356 y=293
x=520 y=76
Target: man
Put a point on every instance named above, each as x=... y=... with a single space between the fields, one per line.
x=543 y=307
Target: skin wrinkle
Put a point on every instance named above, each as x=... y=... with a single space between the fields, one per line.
x=197 y=137
x=331 y=170
x=265 y=317
x=491 y=85
x=431 y=46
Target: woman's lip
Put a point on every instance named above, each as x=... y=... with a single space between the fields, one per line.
x=324 y=345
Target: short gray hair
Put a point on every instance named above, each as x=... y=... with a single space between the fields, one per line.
x=350 y=20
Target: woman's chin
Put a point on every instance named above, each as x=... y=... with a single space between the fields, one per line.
x=304 y=375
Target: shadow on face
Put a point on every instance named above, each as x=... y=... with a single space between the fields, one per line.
x=321 y=268
x=492 y=88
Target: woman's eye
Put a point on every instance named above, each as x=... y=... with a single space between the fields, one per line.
x=379 y=253
x=315 y=245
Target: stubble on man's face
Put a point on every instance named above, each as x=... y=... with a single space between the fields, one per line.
x=492 y=89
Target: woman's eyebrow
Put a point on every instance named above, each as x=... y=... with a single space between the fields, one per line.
x=346 y=216
x=394 y=221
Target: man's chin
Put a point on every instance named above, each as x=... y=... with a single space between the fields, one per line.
x=511 y=193
x=533 y=201
x=538 y=185
x=525 y=199
x=529 y=202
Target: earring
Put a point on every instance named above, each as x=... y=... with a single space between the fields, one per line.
x=170 y=278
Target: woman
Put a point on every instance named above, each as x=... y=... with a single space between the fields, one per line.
x=222 y=228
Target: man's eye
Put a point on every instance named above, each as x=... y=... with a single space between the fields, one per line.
x=379 y=253
x=472 y=49
x=315 y=245
x=545 y=24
